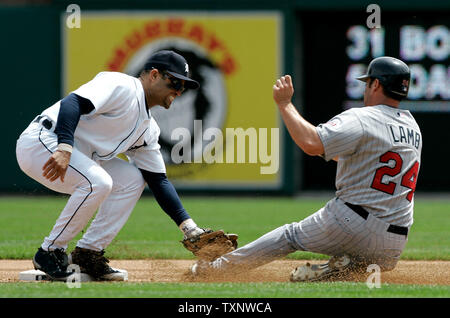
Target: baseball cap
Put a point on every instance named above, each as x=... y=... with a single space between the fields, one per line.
x=174 y=64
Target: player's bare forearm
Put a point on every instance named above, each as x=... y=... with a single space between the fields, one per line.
x=302 y=132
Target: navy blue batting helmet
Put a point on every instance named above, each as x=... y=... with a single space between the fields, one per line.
x=393 y=74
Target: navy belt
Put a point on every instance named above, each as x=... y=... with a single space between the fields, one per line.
x=47 y=123
x=401 y=230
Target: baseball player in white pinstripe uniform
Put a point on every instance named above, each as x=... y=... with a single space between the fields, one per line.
x=377 y=149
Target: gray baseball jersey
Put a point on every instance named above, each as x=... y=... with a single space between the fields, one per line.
x=379 y=158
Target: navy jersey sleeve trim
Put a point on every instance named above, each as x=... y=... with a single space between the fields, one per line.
x=166 y=195
x=71 y=108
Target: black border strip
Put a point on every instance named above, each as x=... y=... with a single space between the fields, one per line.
x=231 y=307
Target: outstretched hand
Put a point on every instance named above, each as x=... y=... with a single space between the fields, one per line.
x=283 y=90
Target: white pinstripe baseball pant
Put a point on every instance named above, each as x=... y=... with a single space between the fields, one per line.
x=333 y=230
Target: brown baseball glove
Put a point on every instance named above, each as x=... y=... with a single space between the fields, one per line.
x=211 y=244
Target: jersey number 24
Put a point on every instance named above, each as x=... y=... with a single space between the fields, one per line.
x=409 y=179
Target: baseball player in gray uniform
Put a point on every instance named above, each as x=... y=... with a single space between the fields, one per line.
x=72 y=148
x=377 y=149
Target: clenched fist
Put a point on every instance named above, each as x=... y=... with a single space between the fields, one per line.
x=283 y=91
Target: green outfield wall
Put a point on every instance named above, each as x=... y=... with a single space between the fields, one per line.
x=321 y=43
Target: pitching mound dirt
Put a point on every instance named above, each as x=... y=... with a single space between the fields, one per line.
x=172 y=271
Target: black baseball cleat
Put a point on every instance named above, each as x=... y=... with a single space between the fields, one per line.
x=53 y=263
x=95 y=264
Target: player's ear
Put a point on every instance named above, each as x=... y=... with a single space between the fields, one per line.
x=154 y=74
x=377 y=84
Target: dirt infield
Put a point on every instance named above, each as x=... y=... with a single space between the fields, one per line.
x=171 y=271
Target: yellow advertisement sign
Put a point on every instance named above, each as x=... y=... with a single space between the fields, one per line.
x=226 y=134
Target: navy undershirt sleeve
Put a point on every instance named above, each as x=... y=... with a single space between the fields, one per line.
x=166 y=195
x=70 y=110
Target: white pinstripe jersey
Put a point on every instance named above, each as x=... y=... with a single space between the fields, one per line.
x=379 y=151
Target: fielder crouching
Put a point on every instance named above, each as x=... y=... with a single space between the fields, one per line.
x=72 y=148
x=377 y=149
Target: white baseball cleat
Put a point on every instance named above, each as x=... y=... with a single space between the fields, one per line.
x=194 y=269
x=201 y=267
x=310 y=273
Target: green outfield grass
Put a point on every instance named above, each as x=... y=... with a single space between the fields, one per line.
x=219 y=290
x=150 y=233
